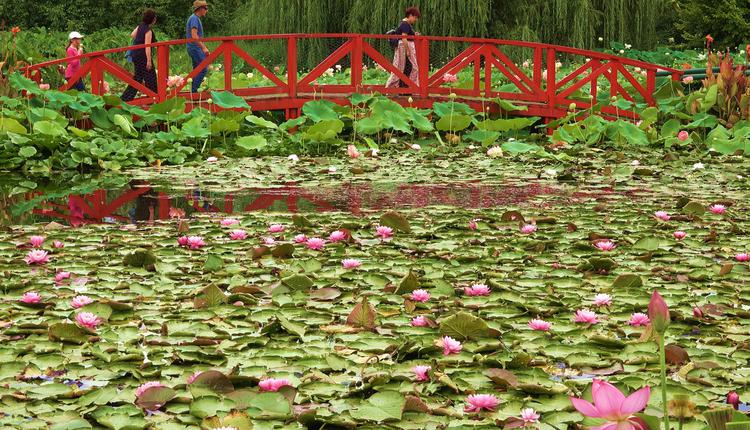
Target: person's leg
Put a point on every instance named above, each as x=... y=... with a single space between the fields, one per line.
x=79 y=86
x=197 y=56
x=407 y=72
x=138 y=76
x=150 y=80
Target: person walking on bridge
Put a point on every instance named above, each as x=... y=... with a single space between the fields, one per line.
x=405 y=58
x=142 y=58
x=74 y=49
x=196 y=48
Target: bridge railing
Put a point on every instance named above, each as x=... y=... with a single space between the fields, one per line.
x=539 y=83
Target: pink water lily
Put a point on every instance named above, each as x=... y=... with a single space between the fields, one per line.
x=44 y=87
x=300 y=238
x=662 y=215
x=238 y=235
x=36 y=241
x=717 y=209
x=539 y=325
x=529 y=416
x=351 y=263
x=61 y=276
x=683 y=135
x=679 y=235
x=743 y=257
x=420 y=373
x=195 y=242
x=228 y=222
x=733 y=399
x=58 y=244
x=420 y=296
x=473 y=224
x=315 y=243
x=602 y=300
x=36 y=256
x=182 y=241
x=143 y=387
x=193 y=377
x=611 y=405
x=337 y=236
x=639 y=319
x=478 y=402
x=605 y=245
x=88 y=320
x=383 y=232
x=450 y=345
x=528 y=228
x=31 y=297
x=276 y=228
x=352 y=151
x=477 y=290
x=420 y=321
x=450 y=78
x=273 y=384
x=269 y=241
x=585 y=316
x=80 y=301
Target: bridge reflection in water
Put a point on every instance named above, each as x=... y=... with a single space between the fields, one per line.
x=143 y=201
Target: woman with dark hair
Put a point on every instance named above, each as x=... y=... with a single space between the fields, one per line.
x=405 y=58
x=142 y=58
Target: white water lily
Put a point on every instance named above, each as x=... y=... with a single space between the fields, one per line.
x=550 y=172
x=495 y=152
x=293 y=158
x=416 y=147
x=635 y=163
x=332 y=169
x=698 y=166
x=212 y=159
x=374 y=152
x=393 y=140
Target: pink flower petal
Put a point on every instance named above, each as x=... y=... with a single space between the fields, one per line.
x=607 y=399
x=636 y=402
x=584 y=407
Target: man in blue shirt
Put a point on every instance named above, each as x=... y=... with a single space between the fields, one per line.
x=197 y=49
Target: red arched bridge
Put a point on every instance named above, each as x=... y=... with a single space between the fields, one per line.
x=486 y=68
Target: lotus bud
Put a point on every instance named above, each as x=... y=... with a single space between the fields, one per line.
x=681 y=407
x=697 y=312
x=210 y=101
x=411 y=100
x=453 y=95
x=733 y=399
x=572 y=106
x=658 y=313
x=613 y=99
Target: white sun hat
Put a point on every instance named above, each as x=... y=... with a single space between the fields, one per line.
x=75 y=35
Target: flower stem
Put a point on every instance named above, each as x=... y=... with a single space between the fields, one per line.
x=663 y=365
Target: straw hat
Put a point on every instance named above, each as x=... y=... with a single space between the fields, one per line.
x=75 y=35
x=197 y=4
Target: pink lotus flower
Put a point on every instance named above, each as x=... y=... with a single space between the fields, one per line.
x=60 y=276
x=639 y=319
x=36 y=241
x=58 y=244
x=450 y=345
x=352 y=151
x=585 y=316
x=477 y=402
x=88 y=320
x=276 y=228
x=611 y=405
x=477 y=290
x=238 y=235
x=31 y=297
x=449 y=78
x=140 y=390
x=269 y=241
x=105 y=87
x=529 y=416
x=182 y=241
x=238 y=303
x=300 y=238
x=351 y=263
x=683 y=135
x=80 y=301
x=697 y=312
x=733 y=399
x=687 y=79
x=679 y=235
x=44 y=87
x=36 y=256
x=743 y=257
x=195 y=242
x=175 y=81
x=658 y=312
x=420 y=321
x=420 y=296
x=473 y=224
x=602 y=300
x=228 y=222
x=421 y=372
x=337 y=236
x=662 y=215
x=315 y=243
x=192 y=377
x=528 y=228
x=539 y=325
x=383 y=232
x=273 y=384
x=717 y=209
x=605 y=245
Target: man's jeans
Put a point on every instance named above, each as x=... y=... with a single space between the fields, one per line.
x=197 y=56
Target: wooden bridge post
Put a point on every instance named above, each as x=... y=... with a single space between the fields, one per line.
x=551 y=79
x=291 y=76
x=97 y=76
x=423 y=66
x=226 y=46
x=356 y=63
x=162 y=62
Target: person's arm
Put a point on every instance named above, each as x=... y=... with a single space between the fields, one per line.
x=194 y=34
x=73 y=53
x=134 y=33
x=149 y=37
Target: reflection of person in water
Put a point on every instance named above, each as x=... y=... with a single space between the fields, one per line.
x=145 y=204
x=76 y=210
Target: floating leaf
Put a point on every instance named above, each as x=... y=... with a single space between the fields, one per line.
x=464 y=326
x=395 y=221
x=363 y=315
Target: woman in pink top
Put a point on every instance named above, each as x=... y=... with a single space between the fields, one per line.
x=75 y=48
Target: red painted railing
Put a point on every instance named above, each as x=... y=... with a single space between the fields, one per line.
x=540 y=86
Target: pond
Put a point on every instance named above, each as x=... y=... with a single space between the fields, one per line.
x=268 y=274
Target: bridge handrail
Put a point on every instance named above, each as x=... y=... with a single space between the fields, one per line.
x=264 y=37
